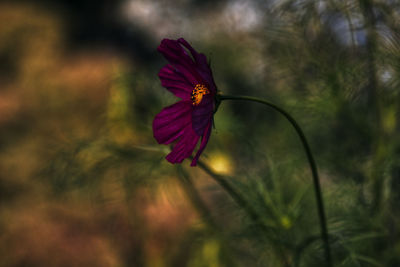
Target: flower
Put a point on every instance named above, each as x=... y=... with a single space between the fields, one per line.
x=189 y=78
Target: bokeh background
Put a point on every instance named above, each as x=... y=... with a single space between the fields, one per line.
x=83 y=182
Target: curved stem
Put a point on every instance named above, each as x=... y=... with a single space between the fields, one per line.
x=311 y=161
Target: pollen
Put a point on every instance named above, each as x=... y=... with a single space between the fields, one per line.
x=197 y=94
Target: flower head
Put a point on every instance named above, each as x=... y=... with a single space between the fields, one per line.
x=189 y=77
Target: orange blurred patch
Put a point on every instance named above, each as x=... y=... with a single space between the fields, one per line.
x=54 y=236
x=9 y=107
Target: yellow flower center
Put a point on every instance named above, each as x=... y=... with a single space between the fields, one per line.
x=197 y=94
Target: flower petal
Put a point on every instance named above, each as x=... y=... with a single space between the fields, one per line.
x=204 y=141
x=200 y=58
x=202 y=114
x=202 y=64
x=175 y=82
x=185 y=146
x=178 y=57
x=169 y=124
x=183 y=121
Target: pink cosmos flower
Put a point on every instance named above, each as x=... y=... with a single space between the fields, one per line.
x=188 y=77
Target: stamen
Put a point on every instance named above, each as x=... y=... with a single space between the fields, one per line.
x=197 y=94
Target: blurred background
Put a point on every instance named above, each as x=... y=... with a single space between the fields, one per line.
x=84 y=183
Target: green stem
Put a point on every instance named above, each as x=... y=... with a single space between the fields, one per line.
x=241 y=202
x=205 y=213
x=374 y=103
x=311 y=161
x=232 y=192
x=195 y=198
